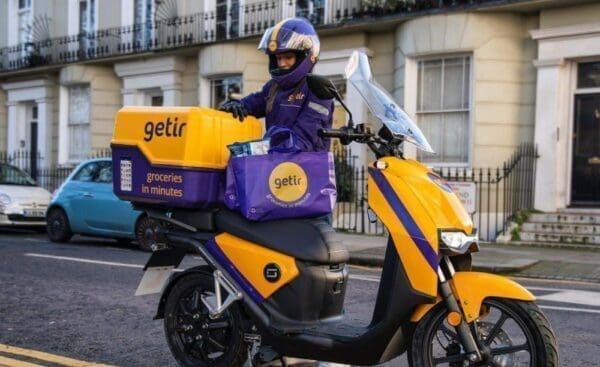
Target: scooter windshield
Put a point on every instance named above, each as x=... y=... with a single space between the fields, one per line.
x=381 y=104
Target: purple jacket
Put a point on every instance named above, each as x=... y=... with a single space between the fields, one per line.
x=297 y=109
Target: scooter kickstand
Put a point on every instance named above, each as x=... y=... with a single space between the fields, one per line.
x=253 y=341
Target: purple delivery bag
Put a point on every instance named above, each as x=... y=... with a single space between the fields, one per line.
x=281 y=185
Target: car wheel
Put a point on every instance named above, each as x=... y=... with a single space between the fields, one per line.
x=146 y=233
x=57 y=226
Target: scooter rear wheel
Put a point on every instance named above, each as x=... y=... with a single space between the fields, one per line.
x=509 y=333
x=193 y=337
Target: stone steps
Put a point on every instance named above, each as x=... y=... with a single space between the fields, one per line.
x=563 y=217
x=559 y=238
x=562 y=228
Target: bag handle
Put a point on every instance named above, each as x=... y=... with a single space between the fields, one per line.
x=287 y=140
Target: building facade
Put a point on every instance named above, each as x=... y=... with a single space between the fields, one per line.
x=480 y=77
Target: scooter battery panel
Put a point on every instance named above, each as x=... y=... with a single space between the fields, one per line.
x=175 y=156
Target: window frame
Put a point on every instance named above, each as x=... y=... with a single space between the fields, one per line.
x=419 y=98
x=82 y=155
x=214 y=79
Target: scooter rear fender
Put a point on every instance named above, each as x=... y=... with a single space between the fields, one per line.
x=472 y=288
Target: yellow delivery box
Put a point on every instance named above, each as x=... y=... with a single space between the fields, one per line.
x=175 y=156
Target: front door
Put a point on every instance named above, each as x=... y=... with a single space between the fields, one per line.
x=585 y=184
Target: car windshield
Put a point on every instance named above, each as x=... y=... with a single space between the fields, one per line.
x=10 y=175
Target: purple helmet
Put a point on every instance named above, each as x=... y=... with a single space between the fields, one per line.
x=291 y=35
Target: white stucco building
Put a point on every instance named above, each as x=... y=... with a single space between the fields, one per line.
x=480 y=77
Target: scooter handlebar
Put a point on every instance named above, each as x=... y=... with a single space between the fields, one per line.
x=346 y=135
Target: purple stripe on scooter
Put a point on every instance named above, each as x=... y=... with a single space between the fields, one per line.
x=409 y=223
x=215 y=251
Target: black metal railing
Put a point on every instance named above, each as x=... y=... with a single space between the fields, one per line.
x=499 y=192
x=249 y=19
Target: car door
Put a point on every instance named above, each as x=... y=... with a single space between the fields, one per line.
x=110 y=215
x=104 y=214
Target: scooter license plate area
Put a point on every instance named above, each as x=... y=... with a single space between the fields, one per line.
x=158 y=270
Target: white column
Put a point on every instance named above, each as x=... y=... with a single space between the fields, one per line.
x=547 y=134
x=12 y=138
x=171 y=95
x=132 y=97
x=63 y=125
x=44 y=106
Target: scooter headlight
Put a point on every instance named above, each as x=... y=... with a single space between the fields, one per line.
x=458 y=242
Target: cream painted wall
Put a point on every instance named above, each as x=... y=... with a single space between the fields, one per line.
x=503 y=83
x=189 y=85
x=189 y=7
x=105 y=95
x=342 y=42
x=109 y=14
x=382 y=63
x=59 y=18
x=226 y=59
x=4 y=25
x=573 y=15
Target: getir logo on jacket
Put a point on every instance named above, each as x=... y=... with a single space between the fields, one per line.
x=288 y=182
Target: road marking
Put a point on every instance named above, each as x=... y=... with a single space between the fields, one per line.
x=34 y=240
x=9 y=362
x=43 y=356
x=572 y=309
x=575 y=297
x=89 y=261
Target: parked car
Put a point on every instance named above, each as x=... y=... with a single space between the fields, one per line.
x=85 y=204
x=22 y=202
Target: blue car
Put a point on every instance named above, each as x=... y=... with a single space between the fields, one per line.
x=85 y=204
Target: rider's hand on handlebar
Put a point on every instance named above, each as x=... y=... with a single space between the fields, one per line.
x=236 y=108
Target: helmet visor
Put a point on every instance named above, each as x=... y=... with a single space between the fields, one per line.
x=279 y=39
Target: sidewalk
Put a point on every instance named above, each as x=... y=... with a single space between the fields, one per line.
x=518 y=260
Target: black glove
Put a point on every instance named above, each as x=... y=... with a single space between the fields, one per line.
x=236 y=108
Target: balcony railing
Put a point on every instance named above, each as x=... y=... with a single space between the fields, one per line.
x=249 y=19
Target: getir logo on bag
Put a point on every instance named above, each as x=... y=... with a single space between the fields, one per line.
x=288 y=182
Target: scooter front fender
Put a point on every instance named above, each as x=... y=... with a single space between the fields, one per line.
x=472 y=288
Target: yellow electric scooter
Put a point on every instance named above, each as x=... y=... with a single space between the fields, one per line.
x=274 y=289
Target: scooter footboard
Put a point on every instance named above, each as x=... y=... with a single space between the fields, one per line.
x=472 y=288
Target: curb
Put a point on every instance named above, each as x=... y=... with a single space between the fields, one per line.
x=365 y=260
x=377 y=262
x=562 y=246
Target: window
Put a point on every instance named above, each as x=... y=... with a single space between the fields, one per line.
x=153 y=97
x=87 y=27
x=588 y=75
x=100 y=171
x=312 y=10
x=225 y=88
x=79 y=122
x=443 y=108
x=143 y=19
x=24 y=15
x=227 y=19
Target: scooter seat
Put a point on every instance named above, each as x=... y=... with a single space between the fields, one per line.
x=310 y=240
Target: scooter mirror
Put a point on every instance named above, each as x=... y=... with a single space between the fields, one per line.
x=322 y=87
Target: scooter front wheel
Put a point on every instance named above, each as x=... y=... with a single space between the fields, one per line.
x=509 y=333
x=194 y=338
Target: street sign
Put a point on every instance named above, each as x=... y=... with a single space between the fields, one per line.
x=466 y=192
